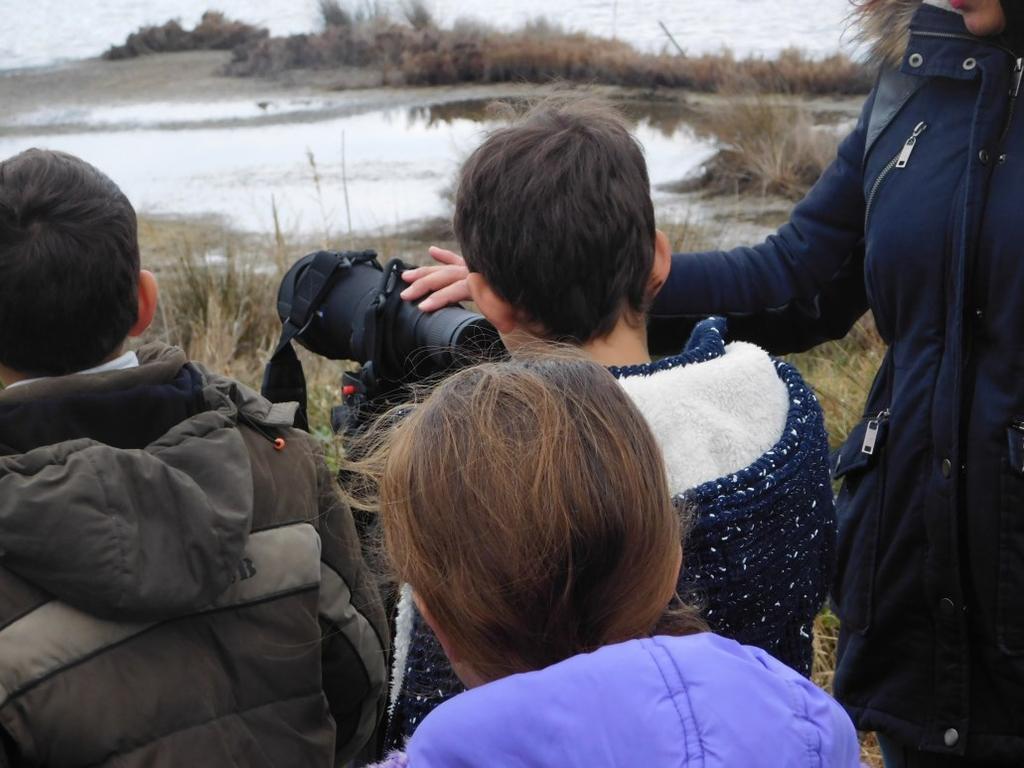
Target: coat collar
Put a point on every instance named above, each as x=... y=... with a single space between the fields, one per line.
x=885 y=25
x=164 y=376
x=159 y=363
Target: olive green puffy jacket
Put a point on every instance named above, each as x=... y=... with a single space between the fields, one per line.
x=176 y=587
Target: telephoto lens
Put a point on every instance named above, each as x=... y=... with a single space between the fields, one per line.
x=360 y=316
x=336 y=327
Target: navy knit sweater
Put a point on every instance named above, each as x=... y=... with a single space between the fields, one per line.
x=758 y=558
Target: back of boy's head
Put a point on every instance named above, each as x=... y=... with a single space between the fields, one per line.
x=555 y=212
x=69 y=264
x=526 y=503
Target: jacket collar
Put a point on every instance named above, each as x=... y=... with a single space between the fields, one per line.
x=885 y=25
x=121 y=363
x=662 y=701
x=128 y=408
x=125 y=408
x=707 y=342
x=158 y=363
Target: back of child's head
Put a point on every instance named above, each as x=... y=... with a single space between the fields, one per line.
x=69 y=264
x=526 y=503
x=555 y=212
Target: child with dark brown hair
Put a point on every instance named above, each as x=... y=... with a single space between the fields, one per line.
x=179 y=582
x=527 y=505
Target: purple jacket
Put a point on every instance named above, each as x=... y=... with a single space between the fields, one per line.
x=700 y=701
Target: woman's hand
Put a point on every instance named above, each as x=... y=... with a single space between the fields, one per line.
x=443 y=285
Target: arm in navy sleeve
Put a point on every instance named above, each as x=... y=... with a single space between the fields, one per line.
x=803 y=286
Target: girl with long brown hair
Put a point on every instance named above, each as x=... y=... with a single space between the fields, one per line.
x=526 y=504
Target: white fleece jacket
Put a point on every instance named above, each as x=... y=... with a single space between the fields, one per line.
x=713 y=418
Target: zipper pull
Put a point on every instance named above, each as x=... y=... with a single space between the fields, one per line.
x=908 y=148
x=871 y=435
x=1018 y=75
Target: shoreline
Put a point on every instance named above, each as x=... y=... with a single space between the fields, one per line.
x=194 y=78
x=190 y=77
x=183 y=95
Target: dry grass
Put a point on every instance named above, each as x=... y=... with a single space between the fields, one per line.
x=826 y=638
x=221 y=309
x=841 y=373
x=768 y=147
x=219 y=295
x=415 y=51
x=428 y=55
x=688 y=235
x=222 y=312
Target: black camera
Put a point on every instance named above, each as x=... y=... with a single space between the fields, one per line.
x=345 y=306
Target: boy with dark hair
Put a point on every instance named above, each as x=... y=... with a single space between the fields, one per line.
x=555 y=219
x=179 y=584
x=581 y=253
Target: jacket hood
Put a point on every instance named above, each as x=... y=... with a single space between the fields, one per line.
x=884 y=26
x=736 y=406
x=141 y=531
x=659 y=703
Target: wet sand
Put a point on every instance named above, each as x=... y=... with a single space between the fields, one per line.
x=177 y=77
x=194 y=77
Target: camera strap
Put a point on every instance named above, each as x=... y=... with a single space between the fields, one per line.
x=382 y=314
x=283 y=378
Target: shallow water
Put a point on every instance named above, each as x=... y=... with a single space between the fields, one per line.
x=247 y=159
x=41 y=32
x=187 y=159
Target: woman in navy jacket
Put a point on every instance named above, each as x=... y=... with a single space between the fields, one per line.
x=921 y=220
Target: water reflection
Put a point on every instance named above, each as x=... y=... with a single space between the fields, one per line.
x=667 y=116
x=396 y=164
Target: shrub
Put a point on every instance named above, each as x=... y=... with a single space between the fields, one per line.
x=213 y=32
x=333 y=15
x=539 y=52
x=362 y=35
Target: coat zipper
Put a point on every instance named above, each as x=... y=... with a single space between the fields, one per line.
x=899 y=161
x=871 y=434
x=1018 y=76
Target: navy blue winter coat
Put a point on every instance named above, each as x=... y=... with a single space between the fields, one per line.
x=923 y=223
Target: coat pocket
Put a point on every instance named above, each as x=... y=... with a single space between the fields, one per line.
x=1010 y=591
x=859 y=464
